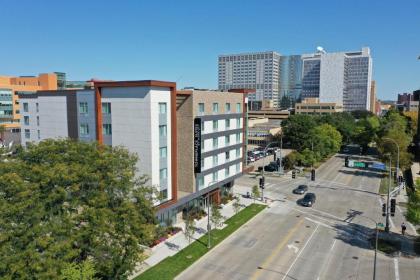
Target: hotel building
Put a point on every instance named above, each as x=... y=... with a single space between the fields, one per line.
x=189 y=143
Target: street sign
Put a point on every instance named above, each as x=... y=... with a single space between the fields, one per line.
x=381 y=225
x=359 y=164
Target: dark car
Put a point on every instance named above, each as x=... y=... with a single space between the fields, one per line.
x=308 y=200
x=301 y=189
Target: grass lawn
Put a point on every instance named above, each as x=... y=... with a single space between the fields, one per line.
x=174 y=265
x=383 y=189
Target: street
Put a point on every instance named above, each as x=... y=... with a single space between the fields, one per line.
x=327 y=241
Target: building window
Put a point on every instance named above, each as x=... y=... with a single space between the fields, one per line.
x=238 y=123
x=37 y=120
x=215 y=177
x=26 y=120
x=227 y=155
x=227 y=107
x=25 y=107
x=227 y=140
x=227 y=123
x=162 y=108
x=106 y=129
x=201 y=182
x=202 y=163
x=83 y=108
x=215 y=125
x=202 y=145
x=163 y=173
x=84 y=129
x=226 y=172
x=27 y=134
x=238 y=167
x=106 y=108
x=215 y=143
x=17 y=111
x=164 y=194
x=215 y=107
x=238 y=107
x=163 y=152
x=37 y=107
x=215 y=160
x=238 y=137
x=201 y=109
x=162 y=130
x=238 y=153
x=39 y=134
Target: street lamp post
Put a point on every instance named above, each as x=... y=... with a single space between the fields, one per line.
x=376 y=244
x=387 y=201
x=265 y=152
x=208 y=215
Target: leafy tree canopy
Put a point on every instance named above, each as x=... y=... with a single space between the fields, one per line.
x=64 y=202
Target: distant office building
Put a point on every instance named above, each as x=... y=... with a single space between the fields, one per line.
x=290 y=81
x=259 y=71
x=312 y=106
x=407 y=102
x=10 y=89
x=190 y=143
x=341 y=78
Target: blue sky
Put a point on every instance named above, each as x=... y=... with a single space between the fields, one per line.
x=180 y=40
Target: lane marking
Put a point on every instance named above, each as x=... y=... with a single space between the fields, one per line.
x=280 y=246
x=328 y=259
x=319 y=223
x=297 y=257
x=291 y=246
x=397 y=272
x=391 y=222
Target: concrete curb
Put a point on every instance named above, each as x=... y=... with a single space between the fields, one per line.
x=215 y=247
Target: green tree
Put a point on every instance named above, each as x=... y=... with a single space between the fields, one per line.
x=255 y=192
x=236 y=205
x=189 y=229
x=307 y=158
x=79 y=271
x=297 y=131
x=366 y=131
x=64 y=201
x=2 y=131
x=327 y=140
x=344 y=122
x=290 y=160
x=216 y=216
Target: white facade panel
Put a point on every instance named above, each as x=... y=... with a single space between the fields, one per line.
x=331 y=84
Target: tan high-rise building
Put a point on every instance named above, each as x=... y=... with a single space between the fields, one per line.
x=373 y=97
x=10 y=87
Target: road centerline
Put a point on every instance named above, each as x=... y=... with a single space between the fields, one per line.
x=301 y=250
x=280 y=246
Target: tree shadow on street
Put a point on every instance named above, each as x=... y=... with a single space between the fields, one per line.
x=363 y=237
x=358 y=172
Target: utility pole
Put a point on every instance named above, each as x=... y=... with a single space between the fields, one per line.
x=387 y=202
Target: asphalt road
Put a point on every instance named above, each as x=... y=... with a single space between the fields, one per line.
x=327 y=241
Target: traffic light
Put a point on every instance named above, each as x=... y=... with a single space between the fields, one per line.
x=346 y=162
x=262 y=182
x=313 y=175
x=393 y=203
x=384 y=209
x=293 y=174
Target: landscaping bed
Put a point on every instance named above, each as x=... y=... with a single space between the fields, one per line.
x=170 y=267
x=388 y=247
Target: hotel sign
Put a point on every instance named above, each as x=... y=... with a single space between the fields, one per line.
x=197 y=145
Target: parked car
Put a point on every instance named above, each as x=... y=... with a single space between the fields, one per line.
x=301 y=189
x=251 y=159
x=308 y=200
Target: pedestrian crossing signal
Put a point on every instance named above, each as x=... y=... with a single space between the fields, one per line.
x=293 y=174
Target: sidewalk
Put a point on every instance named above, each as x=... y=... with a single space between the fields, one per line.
x=179 y=241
